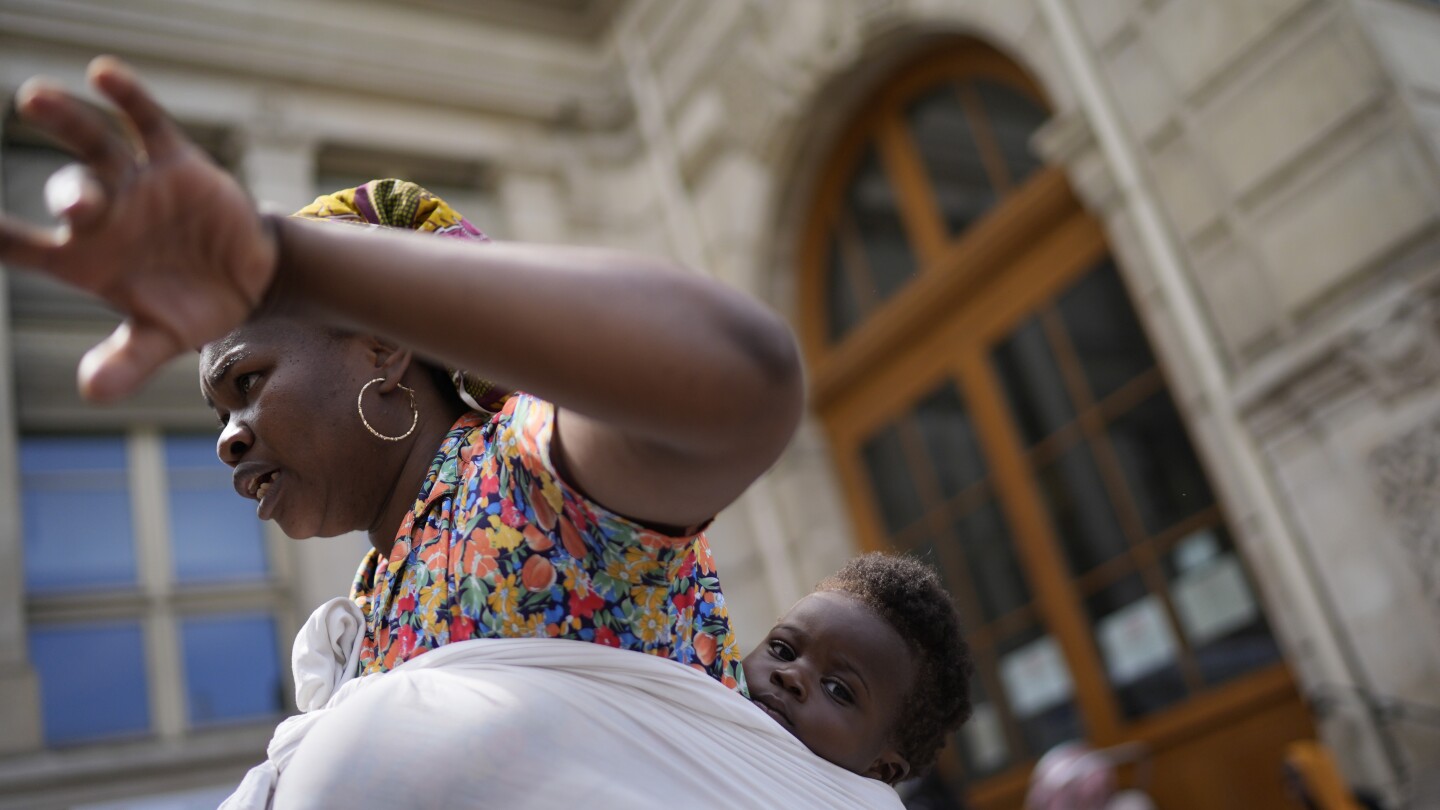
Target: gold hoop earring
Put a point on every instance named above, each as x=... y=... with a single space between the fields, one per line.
x=414 y=412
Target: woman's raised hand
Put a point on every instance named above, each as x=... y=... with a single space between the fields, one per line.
x=152 y=227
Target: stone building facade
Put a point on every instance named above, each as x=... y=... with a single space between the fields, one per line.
x=1265 y=173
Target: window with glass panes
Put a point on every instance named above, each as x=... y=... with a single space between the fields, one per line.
x=995 y=409
x=144 y=569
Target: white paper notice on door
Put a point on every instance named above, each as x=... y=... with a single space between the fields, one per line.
x=1136 y=640
x=1213 y=600
x=1035 y=677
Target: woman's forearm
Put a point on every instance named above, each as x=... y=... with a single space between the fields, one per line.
x=630 y=341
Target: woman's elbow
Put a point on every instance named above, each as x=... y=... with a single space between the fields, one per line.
x=774 y=398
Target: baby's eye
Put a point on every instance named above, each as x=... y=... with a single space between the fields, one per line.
x=839 y=691
x=782 y=650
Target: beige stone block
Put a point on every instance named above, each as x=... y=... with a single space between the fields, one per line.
x=742 y=574
x=1038 y=55
x=1427 y=117
x=1145 y=98
x=1009 y=20
x=1290 y=107
x=1345 y=219
x=731 y=198
x=699 y=126
x=531 y=206
x=1103 y=19
x=1237 y=294
x=1195 y=39
x=1187 y=193
x=19 y=711
x=325 y=568
x=1407 y=34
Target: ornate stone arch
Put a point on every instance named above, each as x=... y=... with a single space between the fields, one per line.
x=838 y=81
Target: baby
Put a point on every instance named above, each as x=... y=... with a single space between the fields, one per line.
x=870 y=670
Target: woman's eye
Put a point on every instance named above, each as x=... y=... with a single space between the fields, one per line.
x=840 y=691
x=782 y=651
x=245 y=382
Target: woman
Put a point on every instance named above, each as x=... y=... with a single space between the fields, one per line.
x=323 y=349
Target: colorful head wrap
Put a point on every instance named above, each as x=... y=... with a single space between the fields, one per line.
x=401 y=204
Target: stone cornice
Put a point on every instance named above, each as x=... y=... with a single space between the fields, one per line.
x=410 y=54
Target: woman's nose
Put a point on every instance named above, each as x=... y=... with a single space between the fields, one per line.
x=235 y=440
x=791 y=680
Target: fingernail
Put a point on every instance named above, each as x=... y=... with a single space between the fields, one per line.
x=68 y=189
x=108 y=64
x=97 y=374
x=34 y=90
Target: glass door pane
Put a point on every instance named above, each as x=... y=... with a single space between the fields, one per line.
x=874 y=213
x=1141 y=654
x=1080 y=510
x=892 y=480
x=1039 y=690
x=990 y=557
x=1216 y=606
x=1129 y=507
x=983 y=742
x=1013 y=119
x=1108 y=342
x=1161 y=471
x=943 y=136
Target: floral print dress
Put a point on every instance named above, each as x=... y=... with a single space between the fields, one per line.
x=498 y=546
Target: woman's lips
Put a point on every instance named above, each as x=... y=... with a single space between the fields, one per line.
x=267 y=492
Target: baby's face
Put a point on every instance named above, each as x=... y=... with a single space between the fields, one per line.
x=835 y=675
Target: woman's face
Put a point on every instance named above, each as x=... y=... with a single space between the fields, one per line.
x=285 y=395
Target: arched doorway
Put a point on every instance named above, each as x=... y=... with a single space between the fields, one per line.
x=994 y=405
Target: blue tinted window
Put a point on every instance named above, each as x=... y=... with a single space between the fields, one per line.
x=70 y=453
x=232 y=668
x=75 y=513
x=214 y=532
x=92 y=680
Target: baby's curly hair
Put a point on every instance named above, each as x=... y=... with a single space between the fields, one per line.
x=910 y=597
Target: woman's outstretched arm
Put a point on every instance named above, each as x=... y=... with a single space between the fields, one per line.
x=675 y=392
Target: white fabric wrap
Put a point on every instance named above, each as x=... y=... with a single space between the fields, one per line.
x=326 y=656
x=326 y=652
x=510 y=723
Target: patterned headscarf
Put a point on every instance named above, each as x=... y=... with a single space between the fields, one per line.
x=401 y=204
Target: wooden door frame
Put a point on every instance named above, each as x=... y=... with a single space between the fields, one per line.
x=871 y=374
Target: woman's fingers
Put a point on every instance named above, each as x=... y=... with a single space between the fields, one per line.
x=121 y=363
x=74 y=195
x=158 y=134
x=79 y=127
x=25 y=245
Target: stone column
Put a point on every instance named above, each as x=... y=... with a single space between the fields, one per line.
x=278 y=167
x=531 y=203
x=20 y=710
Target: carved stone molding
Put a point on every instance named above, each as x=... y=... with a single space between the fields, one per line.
x=1387 y=348
x=452 y=57
x=1406 y=475
x=1068 y=140
x=1398 y=351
